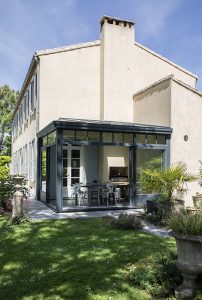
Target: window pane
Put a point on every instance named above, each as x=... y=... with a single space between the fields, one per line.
x=64 y=163
x=147 y=158
x=81 y=136
x=151 y=139
x=128 y=138
x=75 y=172
x=45 y=141
x=52 y=137
x=64 y=153
x=64 y=172
x=93 y=136
x=161 y=139
x=75 y=153
x=43 y=170
x=75 y=163
x=107 y=137
x=68 y=135
x=118 y=137
x=74 y=180
x=140 y=138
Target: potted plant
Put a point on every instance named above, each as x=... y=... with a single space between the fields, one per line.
x=197 y=199
x=169 y=182
x=187 y=230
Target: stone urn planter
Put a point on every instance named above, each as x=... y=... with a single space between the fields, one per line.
x=189 y=262
x=197 y=199
x=17 y=202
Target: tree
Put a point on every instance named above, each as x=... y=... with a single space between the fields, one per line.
x=8 y=99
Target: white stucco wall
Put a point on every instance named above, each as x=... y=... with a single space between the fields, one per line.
x=116 y=69
x=150 y=68
x=70 y=85
x=112 y=156
x=152 y=106
x=186 y=112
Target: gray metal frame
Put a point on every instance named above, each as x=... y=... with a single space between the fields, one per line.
x=69 y=124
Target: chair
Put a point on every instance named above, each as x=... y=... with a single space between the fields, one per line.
x=78 y=194
x=110 y=191
x=95 y=194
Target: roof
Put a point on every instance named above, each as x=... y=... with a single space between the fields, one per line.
x=67 y=48
x=170 y=77
x=97 y=125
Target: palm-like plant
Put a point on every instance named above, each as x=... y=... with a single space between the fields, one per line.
x=168 y=181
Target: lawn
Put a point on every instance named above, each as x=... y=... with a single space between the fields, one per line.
x=72 y=259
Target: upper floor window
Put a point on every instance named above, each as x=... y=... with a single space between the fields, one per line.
x=32 y=96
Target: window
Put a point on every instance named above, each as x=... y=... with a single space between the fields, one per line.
x=107 y=137
x=68 y=135
x=24 y=108
x=36 y=86
x=20 y=116
x=151 y=139
x=33 y=160
x=43 y=171
x=30 y=161
x=93 y=136
x=52 y=137
x=140 y=138
x=128 y=138
x=118 y=137
x=81 y=135
x=27 y=100
x=25 y=161
x=32 y=95
x=161 y=139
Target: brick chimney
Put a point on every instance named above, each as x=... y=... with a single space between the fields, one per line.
x=116 y=63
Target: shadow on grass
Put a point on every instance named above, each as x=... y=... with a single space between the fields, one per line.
x=72 y=259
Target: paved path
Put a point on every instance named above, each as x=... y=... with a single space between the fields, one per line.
x=37 y=210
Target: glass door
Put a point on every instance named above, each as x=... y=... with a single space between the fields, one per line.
x=72 y=168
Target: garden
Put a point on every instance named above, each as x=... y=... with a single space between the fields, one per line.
x=103 y=258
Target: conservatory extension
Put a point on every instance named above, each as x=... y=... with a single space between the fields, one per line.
x=86 y=165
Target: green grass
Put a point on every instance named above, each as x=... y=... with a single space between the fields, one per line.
x=72 y=259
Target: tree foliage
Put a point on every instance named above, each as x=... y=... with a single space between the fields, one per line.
x=168 y=181
x=7 y=104
x=4 y=167
x=6 y=183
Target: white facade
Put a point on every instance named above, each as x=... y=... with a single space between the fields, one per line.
x=111 y=79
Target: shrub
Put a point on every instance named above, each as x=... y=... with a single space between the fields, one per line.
x=154 y=218
x=6 y=191
x=158 y=277
x=183 y=222
x=6 y=184
x=126 y=221
x=168 y=181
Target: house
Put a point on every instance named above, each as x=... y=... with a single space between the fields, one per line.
x=101 y=112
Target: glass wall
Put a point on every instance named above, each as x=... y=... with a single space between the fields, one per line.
x=82 y=136
x=43 y=171
x=93 y=159
x=147 y=158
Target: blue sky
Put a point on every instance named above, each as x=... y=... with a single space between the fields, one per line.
x=172 y=28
